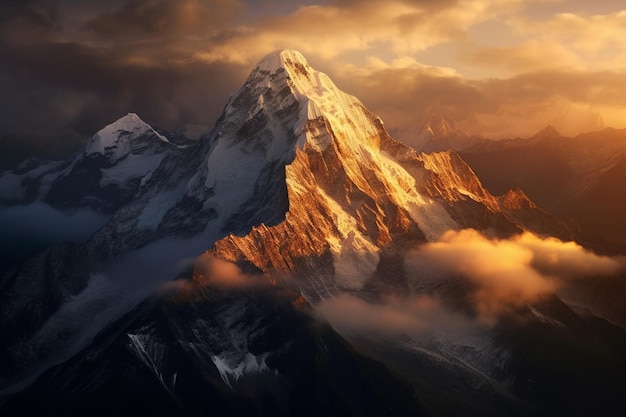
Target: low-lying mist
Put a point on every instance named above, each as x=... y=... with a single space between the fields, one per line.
x=27 y=229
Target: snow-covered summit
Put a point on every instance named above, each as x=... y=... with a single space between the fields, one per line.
x=319 y=96
x=104 y=175
x=273 y=114
x=115 y=140
x=280 y=59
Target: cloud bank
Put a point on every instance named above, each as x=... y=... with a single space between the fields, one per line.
x=26 y=230
x=495 y=278
x=390 y=316
x=213 y=271
x=507 y=274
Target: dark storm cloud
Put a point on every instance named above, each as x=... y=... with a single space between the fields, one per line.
x=165 y=17
x=430 y=5
x=24 y=21
x=60 y=84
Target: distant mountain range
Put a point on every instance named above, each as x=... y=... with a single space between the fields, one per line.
x=575 y=178
x=579 y=178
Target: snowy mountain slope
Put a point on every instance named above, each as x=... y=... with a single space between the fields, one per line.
x=224 y=183
x=352 y=190
x=109 y=176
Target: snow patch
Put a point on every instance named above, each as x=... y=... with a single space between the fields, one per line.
x=231 y=367
x=153 y=355
x=11 y=188
x=152 y=214
x=355 y=257
x=545 y=319
x=278 y=59
x=232 y=175
x=133 y=166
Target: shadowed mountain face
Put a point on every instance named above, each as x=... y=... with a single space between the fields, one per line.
x=576 y=178
x=198 y=350
x=344 y=274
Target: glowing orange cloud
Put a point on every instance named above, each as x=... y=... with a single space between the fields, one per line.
x=507 y=274
x=213 y=271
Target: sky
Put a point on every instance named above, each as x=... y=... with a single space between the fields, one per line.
x=497 y=68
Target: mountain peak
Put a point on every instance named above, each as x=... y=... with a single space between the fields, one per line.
x=131 y=122
x=284 y=106
x=304 y=81
x=439 y=127
x=284 y=84
x=114 y=139
x=547 y=132
x=438 y=134
x=282 y=59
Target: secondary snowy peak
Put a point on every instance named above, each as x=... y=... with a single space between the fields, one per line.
x=116 y=140
x=104 y=175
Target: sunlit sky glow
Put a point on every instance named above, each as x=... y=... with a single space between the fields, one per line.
x=499 y=68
